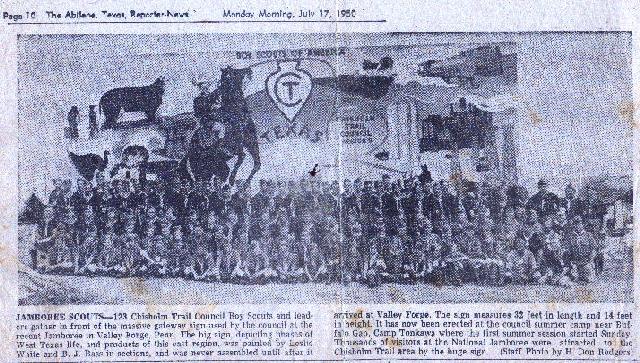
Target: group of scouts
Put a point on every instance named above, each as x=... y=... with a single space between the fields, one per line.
x=406 y=230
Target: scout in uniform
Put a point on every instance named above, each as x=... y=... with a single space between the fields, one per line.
x=213 y=248
x=543 y=202
x=583 y=247
x=286 y=261
x=352 y=253
x=315 y=265
x=178 y=251
x=197 y=265
x=378 y=247
x=429 y=245
x=330 y=248
x=241 y=243
x=520 y=265
x=453 y=265
x=134 y=257
x=550 y=257
x=87 y=251
x=257 y=263
x=54 y=253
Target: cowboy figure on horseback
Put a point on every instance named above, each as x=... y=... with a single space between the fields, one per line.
x=226 y=130
x=206 y=108
x=206 y=102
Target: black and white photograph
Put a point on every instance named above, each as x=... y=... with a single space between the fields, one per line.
x=361 y=168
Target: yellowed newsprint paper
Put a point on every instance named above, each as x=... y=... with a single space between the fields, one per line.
x=317 y=180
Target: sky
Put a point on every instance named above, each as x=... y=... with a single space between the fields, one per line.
x=570 y=90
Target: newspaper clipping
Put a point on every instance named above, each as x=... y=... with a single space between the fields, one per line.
x=327 y=181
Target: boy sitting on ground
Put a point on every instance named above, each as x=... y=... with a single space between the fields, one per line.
x=520 y=265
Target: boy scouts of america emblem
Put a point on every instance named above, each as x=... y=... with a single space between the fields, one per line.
x=289 y=88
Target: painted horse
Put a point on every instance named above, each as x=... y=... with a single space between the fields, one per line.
x=226 y=133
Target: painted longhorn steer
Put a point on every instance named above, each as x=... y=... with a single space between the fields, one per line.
x=145 y=99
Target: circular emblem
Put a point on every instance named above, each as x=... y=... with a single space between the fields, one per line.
x=286 y=89
x=289 y=88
